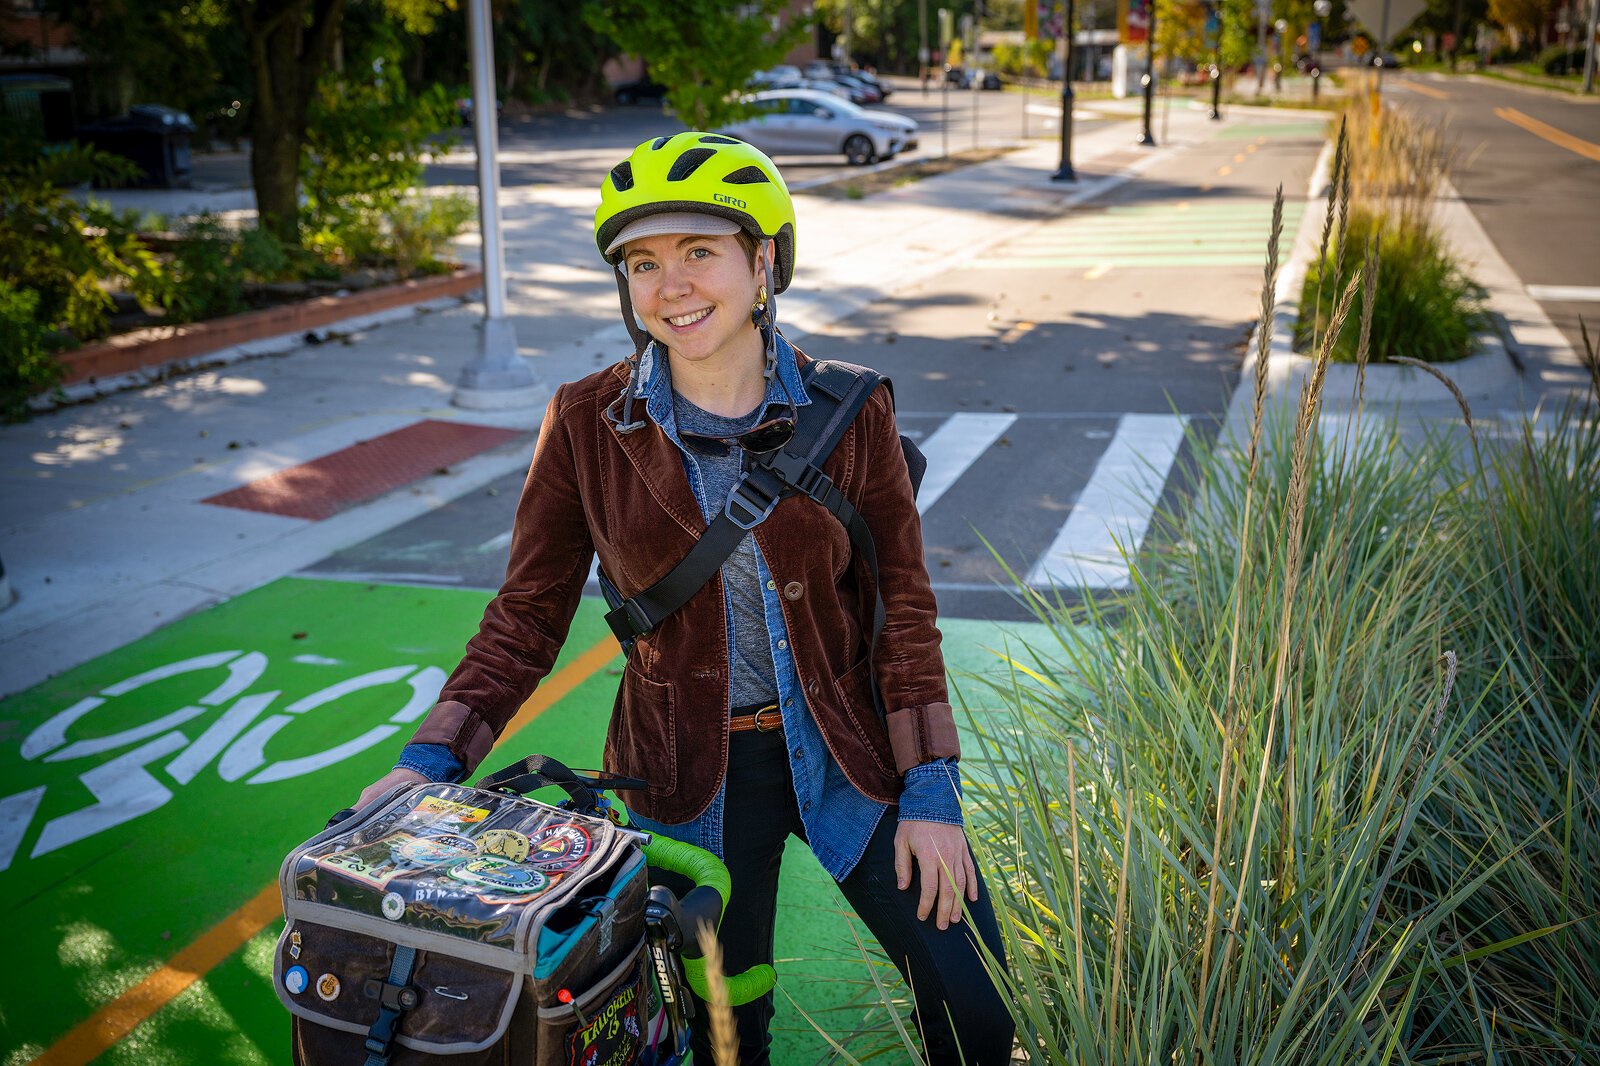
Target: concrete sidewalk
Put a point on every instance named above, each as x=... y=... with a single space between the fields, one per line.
x=107 y=534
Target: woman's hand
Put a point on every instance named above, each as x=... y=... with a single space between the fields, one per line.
x=386 y=782
x=940 y=852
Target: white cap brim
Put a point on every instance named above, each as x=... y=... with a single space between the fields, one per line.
x=689 y=222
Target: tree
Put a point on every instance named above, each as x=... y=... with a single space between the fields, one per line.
x=1523 y=18
x=291 y=44
x=703 y=51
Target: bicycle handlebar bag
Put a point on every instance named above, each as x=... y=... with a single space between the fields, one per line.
x=451 y=924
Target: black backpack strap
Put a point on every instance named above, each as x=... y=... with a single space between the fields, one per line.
x=838 y=392
x=850 y=387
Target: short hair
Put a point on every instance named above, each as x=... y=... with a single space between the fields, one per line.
x=749 y=243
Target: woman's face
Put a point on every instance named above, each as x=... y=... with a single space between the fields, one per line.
x=693 y=292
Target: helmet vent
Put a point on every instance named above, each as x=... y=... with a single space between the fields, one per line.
x=659 y=143
x=750 y=175
x=715 y=138
x=689 y=162
x=622 y=176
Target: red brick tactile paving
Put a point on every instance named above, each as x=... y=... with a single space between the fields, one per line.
x=367 y=469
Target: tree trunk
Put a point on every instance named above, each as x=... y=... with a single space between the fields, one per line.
x=291 y=43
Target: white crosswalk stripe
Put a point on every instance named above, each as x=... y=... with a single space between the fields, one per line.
x=954 y=447
x=1115 y=508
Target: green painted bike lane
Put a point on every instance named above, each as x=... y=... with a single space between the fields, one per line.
x=150 y=793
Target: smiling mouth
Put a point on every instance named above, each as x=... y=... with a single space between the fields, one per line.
x=689 y=319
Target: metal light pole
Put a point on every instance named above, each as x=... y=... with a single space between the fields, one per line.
x=1147 y=138
x=1065 y=172
x=922 y=49
x=498 y=377
x=1588 y=59
x=1214 y=32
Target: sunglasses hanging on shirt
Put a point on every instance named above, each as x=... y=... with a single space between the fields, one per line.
x=766 y=436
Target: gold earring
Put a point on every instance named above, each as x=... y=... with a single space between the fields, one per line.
x=761 y=300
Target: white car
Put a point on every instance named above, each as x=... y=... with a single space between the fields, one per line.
x=809 y=122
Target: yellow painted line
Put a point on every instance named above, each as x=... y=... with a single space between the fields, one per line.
x=1565 y=140
x=558 y=684
x=1097 y=272
x=1250 y=147
x=1223 y=172
x=1426 y=90
x=1239 y=158
x=93 y=1037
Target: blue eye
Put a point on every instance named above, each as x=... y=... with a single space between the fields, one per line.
x=641 y=264
x=699 y=252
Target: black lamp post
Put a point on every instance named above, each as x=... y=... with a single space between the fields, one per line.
x=1147 y=138
x=1065 y=171
x=1214 y=31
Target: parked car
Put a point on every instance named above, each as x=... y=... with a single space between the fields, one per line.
x=963 y=79
x=779 y=77
x=811 y=122
x=644 y=88
x=825 y=85
x=861 y=91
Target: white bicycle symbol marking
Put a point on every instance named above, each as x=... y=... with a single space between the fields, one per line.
x=125 y=787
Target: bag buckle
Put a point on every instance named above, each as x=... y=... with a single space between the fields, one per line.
x=749 y=505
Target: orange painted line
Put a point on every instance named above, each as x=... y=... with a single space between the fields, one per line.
x=1426 y=90
x=93 y=1037
x=560 y=683
x=1557 y=137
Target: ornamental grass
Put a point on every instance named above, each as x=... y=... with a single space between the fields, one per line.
x=1323 y=786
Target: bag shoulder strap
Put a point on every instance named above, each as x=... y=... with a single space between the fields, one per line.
x=837 y=392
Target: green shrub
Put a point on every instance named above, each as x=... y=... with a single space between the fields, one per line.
x=50 y=244
x=366 y=143
x=1425 y=306
x=408 y=235
x=28 y=365
x=1558 y=59
x=211 y=265
x=421 y=228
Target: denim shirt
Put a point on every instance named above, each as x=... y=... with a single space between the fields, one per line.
x=839 y=820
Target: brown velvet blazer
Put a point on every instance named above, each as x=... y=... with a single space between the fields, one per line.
x=627 y=496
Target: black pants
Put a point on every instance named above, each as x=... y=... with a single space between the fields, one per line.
x=943 y=967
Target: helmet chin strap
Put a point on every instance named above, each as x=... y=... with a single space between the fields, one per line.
x=641 y=341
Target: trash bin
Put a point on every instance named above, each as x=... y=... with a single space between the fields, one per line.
x=154 y=137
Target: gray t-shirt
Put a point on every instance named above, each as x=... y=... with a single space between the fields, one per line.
x=754 y=679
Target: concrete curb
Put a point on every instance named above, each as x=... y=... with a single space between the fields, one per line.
x=1495 y=377
x=166 y=346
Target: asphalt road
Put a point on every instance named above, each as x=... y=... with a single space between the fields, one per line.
x=1529 y=168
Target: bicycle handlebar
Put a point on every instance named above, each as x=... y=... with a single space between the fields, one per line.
x=704 y=905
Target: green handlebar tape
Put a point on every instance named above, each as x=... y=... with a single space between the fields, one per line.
x=697 y=864
x=704 y=868
x=745 y=987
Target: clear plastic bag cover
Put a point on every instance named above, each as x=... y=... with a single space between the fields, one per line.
x=454 y=860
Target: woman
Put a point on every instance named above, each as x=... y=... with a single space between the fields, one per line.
x=750 y=710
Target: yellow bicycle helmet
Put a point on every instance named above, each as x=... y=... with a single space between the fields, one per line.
x=700 y=172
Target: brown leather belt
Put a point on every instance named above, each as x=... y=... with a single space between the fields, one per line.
x=764 y=720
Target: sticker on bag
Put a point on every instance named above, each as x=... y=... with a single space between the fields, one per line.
x=613 y=1035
